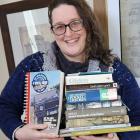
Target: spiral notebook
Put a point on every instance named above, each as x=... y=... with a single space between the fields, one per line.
x=43 y=98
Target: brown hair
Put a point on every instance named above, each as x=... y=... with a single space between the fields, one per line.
x=94 y=42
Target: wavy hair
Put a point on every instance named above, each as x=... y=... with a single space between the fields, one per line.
x=94 y=42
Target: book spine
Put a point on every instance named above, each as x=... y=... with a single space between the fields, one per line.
x=96 y=104
x=83 y=113
x=63 y=131
x=102 y=120
x=89 y=79
x=104 y=131
x=27 y=98
x=102 y=94
x=91 y=86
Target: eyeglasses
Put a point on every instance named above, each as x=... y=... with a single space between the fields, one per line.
x=75 y=26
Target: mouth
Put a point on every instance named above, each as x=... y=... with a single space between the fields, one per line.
x=72 y=42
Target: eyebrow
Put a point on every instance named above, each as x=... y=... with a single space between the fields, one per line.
x=60 y=22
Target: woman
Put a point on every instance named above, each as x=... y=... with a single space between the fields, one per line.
x=78 y=47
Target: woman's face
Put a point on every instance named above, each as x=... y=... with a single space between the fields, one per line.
x=71 y=43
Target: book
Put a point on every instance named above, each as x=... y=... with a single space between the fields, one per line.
x=93 y=121
x=97 y=104
x=93 y=112
x=102 y=94
x=85 y=128
x=43 y=98
x=90 y=78
x=99 y=131
x=91 y=86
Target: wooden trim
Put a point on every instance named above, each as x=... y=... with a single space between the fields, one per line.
x=7 y=43
x=101 y=13
x=24 y=5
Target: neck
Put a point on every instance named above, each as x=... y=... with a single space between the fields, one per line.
x=80 y=59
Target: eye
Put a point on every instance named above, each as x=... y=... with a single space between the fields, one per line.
x=59 y=27
x=76 y=25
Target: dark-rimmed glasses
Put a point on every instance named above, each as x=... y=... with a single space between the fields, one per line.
x=60 y=29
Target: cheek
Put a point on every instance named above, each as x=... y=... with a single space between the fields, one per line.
x=59 y=38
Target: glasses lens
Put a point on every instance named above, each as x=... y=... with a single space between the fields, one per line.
x=59 y=29
x=76 y=25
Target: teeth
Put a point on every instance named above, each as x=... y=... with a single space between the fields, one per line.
x=72 y=41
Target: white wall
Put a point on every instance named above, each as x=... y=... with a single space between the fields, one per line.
x=114 y=26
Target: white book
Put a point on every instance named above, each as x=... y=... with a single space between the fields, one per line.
x=89 y=78
x=68 y=130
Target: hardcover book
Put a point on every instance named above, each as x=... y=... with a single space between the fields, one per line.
x=89 y=78
x=89 y=95
x=94 y=112
x=103 y=130
x=91 y=86
x=44 y=97
x=99 y=120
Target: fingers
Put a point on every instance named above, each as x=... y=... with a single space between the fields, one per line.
x=38 y=126
x=30 y=132
x=111 y=135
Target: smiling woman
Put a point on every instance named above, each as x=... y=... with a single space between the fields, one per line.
x=79 y=48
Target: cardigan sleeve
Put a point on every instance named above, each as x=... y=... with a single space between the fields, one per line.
x=12 y=96
x=11 y=102
x=130 y=95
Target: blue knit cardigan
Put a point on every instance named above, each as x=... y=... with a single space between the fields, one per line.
x=12 y=96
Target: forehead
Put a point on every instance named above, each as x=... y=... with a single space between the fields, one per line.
x=64 y=13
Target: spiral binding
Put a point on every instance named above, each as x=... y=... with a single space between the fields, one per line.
x=27 y=97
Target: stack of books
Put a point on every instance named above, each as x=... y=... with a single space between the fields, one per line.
x=92 y=103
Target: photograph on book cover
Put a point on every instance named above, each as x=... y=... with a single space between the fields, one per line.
x=130 y=35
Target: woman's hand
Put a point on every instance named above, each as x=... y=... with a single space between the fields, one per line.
x=110 y=136
x=31 y=132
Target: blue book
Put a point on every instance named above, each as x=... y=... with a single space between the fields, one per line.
x=43 y=98
x=90 y=95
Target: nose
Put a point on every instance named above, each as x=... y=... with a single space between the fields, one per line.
x=68 y=31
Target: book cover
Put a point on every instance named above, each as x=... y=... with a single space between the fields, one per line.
x=44 y=96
